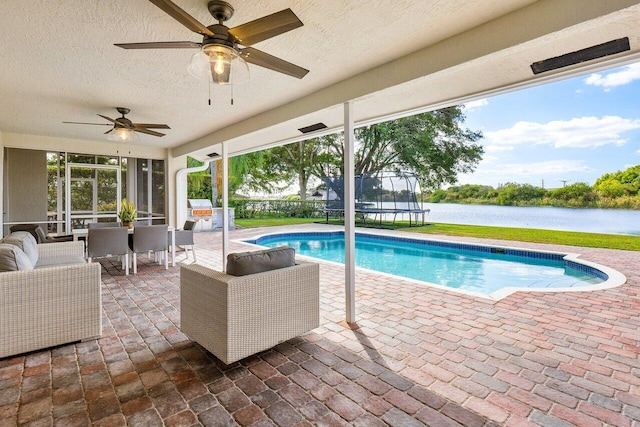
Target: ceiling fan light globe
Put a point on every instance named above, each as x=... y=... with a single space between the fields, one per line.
x=123 y=135
x=219 y=64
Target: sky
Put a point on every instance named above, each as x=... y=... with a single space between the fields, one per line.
x=560 y=133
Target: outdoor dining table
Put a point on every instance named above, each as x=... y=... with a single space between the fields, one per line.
x=83 y=232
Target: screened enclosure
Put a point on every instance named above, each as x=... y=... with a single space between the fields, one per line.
x=61 y=191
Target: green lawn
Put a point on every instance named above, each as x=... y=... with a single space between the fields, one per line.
x=571 y=238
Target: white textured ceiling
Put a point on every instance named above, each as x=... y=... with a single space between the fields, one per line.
x=58 y=62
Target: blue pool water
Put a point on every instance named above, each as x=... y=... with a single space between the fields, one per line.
x=480 y=269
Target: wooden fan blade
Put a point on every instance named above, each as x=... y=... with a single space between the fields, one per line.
x=149 y=132
x=160 y=45
x=108 y=118
x=83 y=123
x=258 y=57
x=265 y=27
x=182 y=17
x=150 y=125
x=109 y=131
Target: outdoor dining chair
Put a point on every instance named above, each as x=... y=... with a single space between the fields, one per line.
x=184 y=238
x=109 y=241
x=104 y=224
x=150 y=238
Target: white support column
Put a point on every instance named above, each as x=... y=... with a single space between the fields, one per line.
x=177 y=167
x=349 y=215
x=225 y=206
x=2 y=185
x=67 y=199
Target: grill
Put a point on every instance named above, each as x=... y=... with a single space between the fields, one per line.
x=199 y=209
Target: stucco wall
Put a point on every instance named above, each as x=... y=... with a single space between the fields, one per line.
x=26 y=190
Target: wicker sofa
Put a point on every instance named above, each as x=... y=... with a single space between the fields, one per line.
x=56 y=301
x=236 y=316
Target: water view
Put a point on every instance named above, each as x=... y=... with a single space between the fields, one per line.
x=610 y=221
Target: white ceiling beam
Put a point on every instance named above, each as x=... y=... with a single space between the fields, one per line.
x=105 y=148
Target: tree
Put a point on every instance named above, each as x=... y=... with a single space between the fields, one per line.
x=200 y=185
x=619 y=183
x=512 y=193
x=300 y=160
x=578 y=192
x=432 y=145
x=470 y=191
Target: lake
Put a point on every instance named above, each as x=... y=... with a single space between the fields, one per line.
x=610 y=221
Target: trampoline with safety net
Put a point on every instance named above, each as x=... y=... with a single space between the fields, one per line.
x=378 y=196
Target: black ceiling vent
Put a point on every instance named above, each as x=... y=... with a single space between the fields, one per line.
x=313 y=128
x=572 y=58
x=213 y=154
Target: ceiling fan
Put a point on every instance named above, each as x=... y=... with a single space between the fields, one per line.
x=123 y=129
x=219 y=49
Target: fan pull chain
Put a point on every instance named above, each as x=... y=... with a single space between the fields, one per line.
x=209 y=93
x=231 y=94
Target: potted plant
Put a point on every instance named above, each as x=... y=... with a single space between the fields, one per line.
x=127 y=213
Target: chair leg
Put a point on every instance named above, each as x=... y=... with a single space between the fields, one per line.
x=165 y=254
x=193 y=252
x=135 y=264
x=89 y=260
x=126 y=268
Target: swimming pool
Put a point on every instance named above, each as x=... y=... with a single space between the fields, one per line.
x=484 y=270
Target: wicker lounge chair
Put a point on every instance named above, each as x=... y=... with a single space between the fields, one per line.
x=236 y=316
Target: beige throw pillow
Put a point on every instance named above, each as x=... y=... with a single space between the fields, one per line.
x=25 y=241
x=12 y=258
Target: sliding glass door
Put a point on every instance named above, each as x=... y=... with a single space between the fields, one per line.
x=93 y=194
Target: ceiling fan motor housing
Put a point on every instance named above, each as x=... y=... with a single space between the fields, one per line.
x=220 y=37
x=220 y=10
x=124 y=122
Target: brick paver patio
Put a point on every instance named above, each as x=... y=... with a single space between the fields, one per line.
x=418 y=355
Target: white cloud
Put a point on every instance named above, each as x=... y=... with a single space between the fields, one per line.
x=497 y=148
x=582 y=132
x=616 y=78
x=474 y=105
x=489 y=158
